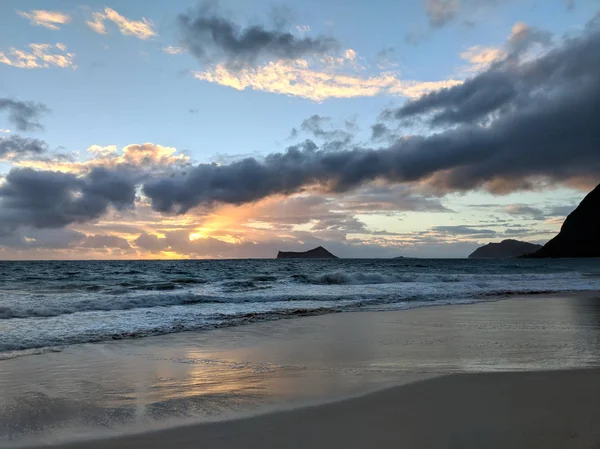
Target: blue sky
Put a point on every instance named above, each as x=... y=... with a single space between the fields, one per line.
x=121 y=88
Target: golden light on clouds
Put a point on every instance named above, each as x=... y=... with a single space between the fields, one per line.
x=41 y=56
x=47 y=19
x=147 y=155
x=480 y=58
x=296 y=78
x=142 y=29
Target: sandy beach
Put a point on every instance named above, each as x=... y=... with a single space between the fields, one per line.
x=520 y=372
x=558 y=409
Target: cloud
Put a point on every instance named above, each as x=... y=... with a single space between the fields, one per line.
x=524 y=211
x=212 y=38
x=295 y=78
x=520 y=43
x=473 y=102
x=561 y=211
x=303 y=29
x=508 y=80
x=142 y=159
x=277 y=61
x=28 y=238
x=142 y=29
x=47 y=19
x=463 y=230
x=13 y=147
x=24 y=114
x=440 y=12
x=44 y=199
x=104 y=241
x=42 y=56
x=380 y=131
x=518 y=126
x=523 y=37
x=173 y=50
x=315 y=126
x=481 y=58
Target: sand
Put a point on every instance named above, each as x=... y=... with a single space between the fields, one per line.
x=513 y=373
x=526 y=410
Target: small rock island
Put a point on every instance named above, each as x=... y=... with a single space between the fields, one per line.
x=316 y=253
x=506 y=249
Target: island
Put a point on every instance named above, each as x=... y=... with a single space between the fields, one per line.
x=579 y=235
x=506 y=249
x=316 y=253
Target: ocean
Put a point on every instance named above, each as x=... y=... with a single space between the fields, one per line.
x=49 y=305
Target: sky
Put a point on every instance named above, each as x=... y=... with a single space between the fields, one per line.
x=234 y=129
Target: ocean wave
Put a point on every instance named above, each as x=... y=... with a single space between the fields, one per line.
x=367 y=278
x=18 y=348
x=100 y=304
x=96 y=304
x=243 y=286
x=115 y=301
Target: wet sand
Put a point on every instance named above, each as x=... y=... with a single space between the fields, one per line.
x=94 y=391
x=530 y=410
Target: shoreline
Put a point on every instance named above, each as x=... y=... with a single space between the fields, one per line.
x=182 y=380
x=535 y=409
x=490 y=297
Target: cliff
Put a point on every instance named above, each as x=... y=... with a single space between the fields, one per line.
x=504 y=250
x=317 y=253
x=580 y=233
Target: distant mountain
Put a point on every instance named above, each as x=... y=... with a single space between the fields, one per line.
x=504 y=250
x=580 y=233
x=317 y=253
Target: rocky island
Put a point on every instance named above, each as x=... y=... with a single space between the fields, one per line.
x=316 y=253
x=504 y=250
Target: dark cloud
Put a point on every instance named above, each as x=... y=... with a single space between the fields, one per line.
x=387 y=199
x=33 y=238
x=24 y=114
x=315 y=126
x=561 y=211
x=547 y=132
x=518 y=231
x=506 y=85
x=463 y=230
x=524 y=211
x=100 y=241
x=379 y=131
x=15 y=147
x=213 y=38
x=440 y=12
x=523 y=37
x=471 y=102
x=45 y=199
